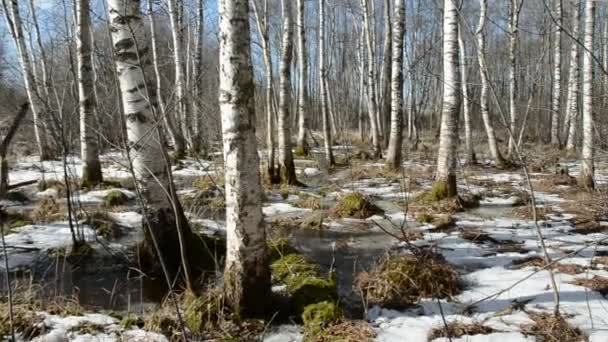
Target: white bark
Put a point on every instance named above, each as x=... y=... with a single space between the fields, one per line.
x=247 y=275
x=468 y=135
x=303 y=79
x=329 y=156
x=372 y=104
x=514 y=10
x=13 y=17
x=386 y=111
x=89 y=150
x=448 y=139
x=587 y=155
x=286 y=165
x=393 y=159
x=484 y=101
x=557 y=75
x=199 y=139
x=571 y=121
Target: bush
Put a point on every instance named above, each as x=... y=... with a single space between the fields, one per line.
x=356 y=205
x=398 y=281
x=115 y=198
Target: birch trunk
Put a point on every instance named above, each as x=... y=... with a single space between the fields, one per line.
x=484 y=102
x=89 y=150
x=387 y=80
x=179 y=145
x=393 y=159
x=168 y=234
x=199 y=143
x=302 y=142
x=13 y=20
x=571 y=122
x=448 y=139
x=287 y=168
x=183 y=106
x=468 y=136
x=262 y=24
x=557 y=75
x=329 y=155
x=247 y=273
x=372 y=105
x=514 y=10
x=587 y=164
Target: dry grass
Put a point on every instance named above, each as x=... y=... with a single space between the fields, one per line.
x=526 y=213
x=458 y=329
x=346 y=331
x=551 y=328
x=48 y=210
x=477 y=236
x=397 y=281
x=539 y=262
x=601 y=260
x=309 y=202
x=597 y=283
x=548 y=183
x=355 y=205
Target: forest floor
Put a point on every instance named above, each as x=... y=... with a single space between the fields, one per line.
x=504 y=285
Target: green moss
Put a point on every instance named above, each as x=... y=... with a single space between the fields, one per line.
x=115 y=198
x=208 y=185
x=291 y=264
x=131 y=320
x=279 y=246
x=81 y=249
x=438 y=192
x=317 y=316
x=299 y=151
x=103 y=224
x=424 y=218
x=355 y=205
x=314 y=221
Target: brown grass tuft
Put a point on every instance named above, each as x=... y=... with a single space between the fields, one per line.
x=551 y=328
x=458 y=329
x=597 y=283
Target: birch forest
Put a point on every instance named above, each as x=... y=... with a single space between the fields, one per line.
x=304 y=170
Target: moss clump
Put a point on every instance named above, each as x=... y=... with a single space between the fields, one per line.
x=208 y=186
x=398 y=281
x=309 y=202
x=299 y=151
x=203 y=312
x=131 y=320
x=14 y=219
x=81 y=249
x=438 y=192
x=303 y=280
x=17 y=196
x=115 y=198
x=424 y=218
x=318 y=316
x=103 y=224
x=355 y=205
x=314 y=221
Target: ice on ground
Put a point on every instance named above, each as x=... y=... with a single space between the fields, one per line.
x=284 y=333
x=97 y=196
x=273 y=209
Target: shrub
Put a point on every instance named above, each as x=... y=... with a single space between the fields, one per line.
x=355 y=205
x=398 y=281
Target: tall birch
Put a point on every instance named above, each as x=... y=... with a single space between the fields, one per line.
x=386 y=111
x=329 y=155
x=372 y=104
x=466 y=106
x=247 y=273
x=571 y=120
x=513 y=32
x=557 y=75
x=587 y=155
x=303 y=121
x=393 y=159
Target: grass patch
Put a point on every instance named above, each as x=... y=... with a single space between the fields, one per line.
x=115 y=198
x=459 y=329
x=208 y=185
x=318 y=316
x=424 y=218
x=355 y=205
x=551 y=328
x=539 y=262
x=597 y=283
x=309 y=202
x=203 y=312
x=131 y=320
x=314 y=221
x=348 y=331
x=47 y=211
x=477 y=236
x=103 y=224
x=398 y=281
x=279 y=246
x=14 y=219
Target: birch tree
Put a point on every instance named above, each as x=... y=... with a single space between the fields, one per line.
x=393 y=159
x=448 y=139
x=372 y=104
x=329 y=155
x=302 y=142
x=286 y=166
x=557 y=75
x=199 y=144
x=247 y=273
x=571 y=119
x=386 y=112
x=483 y=100
x=513 y=32
x=587 y=155
x=168 y=234
x=466 y=106
x=89 y=150
x=13 y=20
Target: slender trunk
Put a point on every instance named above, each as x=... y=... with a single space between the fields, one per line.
x=89 y=150
x=302 y=143
x=571 y=122
x=287 y=169
x=247 y=273
x=6 y=142
x=468 y=136
x=179 y=145
x=587 y=164
x=183 y=105
x=168 y=234
x=386 y=112
x=13 y=20
x=514 y=10
x=393 y=159
x=557 y=75
x=485 y=110
x=448 y=139
x=199 y=142
x=372 y=104
x=329 y=155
